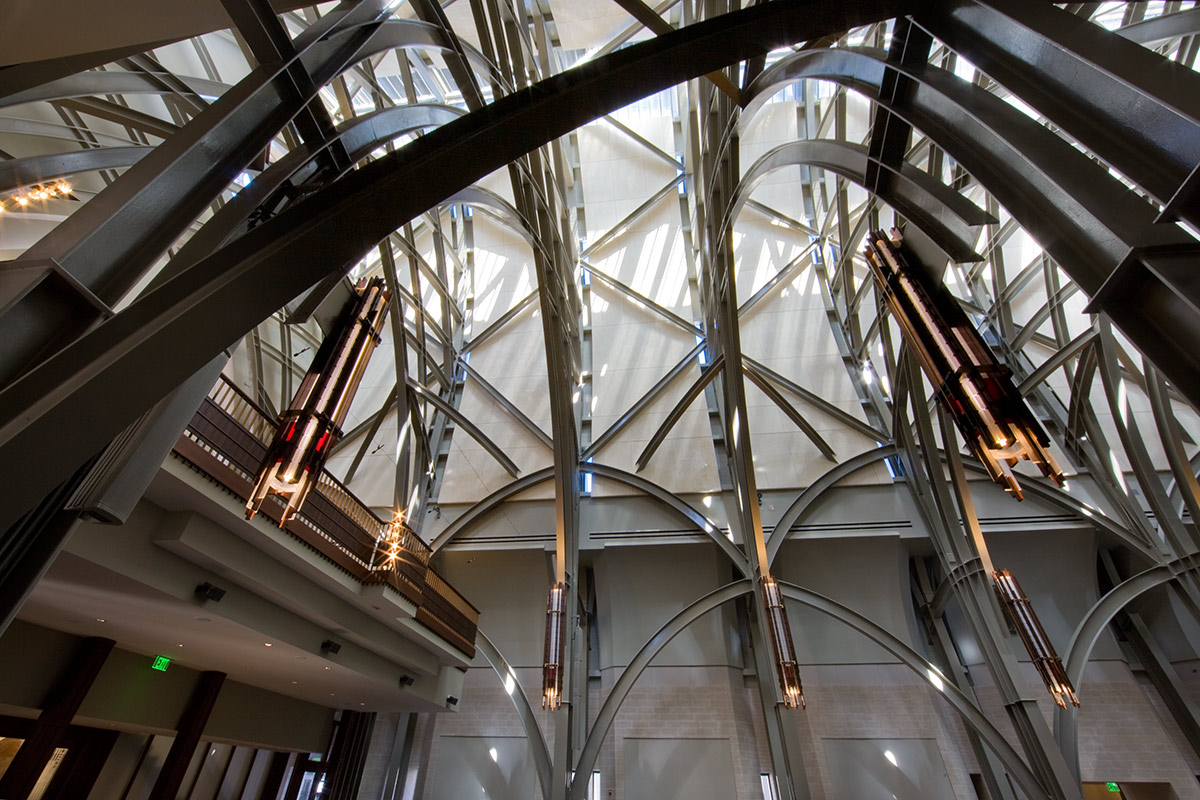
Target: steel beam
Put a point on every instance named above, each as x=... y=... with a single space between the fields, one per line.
x=1020 y=772
x=641 y=403
x=112 y=241
x=516 y=413
x=269 y=43
x=1088 y=632
x=1162 y=28
x=958 y=545
x=641 y=299
x=789 y=411
x=637 y=665
x=890 y=134
x=220 y=298
x=707 y=374
x=473 y=430
x=847 y=419
x=681 y=507
x=1103 y=235
x=1130 y=106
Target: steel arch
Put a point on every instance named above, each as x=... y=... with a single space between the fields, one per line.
x=931 y=205
x=971 y=715
x=138 y=354
x=533 y=733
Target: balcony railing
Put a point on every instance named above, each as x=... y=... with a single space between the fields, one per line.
x=226 y=441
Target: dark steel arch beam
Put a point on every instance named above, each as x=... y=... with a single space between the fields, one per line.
x=109 y=244
x=60 y=413
x=299 y=168
x=1099 y=231
x=1130 y=106
x=931 y=205
x=791 y=412
x=106 y=244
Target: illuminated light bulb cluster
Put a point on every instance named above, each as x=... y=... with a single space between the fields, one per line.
x=971 y=384
x=1023 y=618
x=39 y=192
x=552 y=661
x=392 y=545
x=781 y=643
x=400 y=549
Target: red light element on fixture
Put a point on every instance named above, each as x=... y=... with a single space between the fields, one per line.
x=781 y=643
x=552 y=661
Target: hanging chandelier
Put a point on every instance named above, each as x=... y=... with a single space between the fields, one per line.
x=977 y=390
x=311 y=426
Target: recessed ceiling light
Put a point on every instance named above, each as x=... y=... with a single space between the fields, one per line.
x=329 y=668
x=100 y=619
x=362 y=704
x=179 y=645
x=268 y=644
x=294 y=683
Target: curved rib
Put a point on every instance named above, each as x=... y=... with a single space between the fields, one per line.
x=971 y=715
x=18 y=172
x=813 y=492
x=612 y=704
x=477 y=512
x=218 y=300
x=516 y=693
x=929 y=204
x=471 y=428
x=677 y=504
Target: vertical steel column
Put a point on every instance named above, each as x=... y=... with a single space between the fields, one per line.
x=965 y=560
x=716 y=177
x=939 y=633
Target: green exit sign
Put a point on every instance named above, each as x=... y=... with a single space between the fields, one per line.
x=1112 y=786
x=161 y=663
